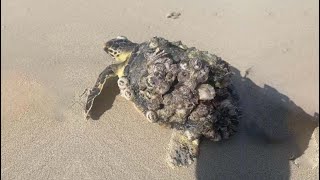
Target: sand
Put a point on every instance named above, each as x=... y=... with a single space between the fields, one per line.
x=52 y=51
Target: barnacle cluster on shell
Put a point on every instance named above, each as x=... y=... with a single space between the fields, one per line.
x=187 y=91
x=125 y=90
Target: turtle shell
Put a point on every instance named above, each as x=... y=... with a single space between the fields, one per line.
x=183 y=88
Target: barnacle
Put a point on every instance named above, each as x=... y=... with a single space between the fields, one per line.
x=206 y=92
x=127 y=94
x=184 y=64
x=147 y=95
x=163 y=87
x=183 y=76
x=170 y=77
x=150 y=82
x=123 y=82
x=195 y=63
x=152 y=116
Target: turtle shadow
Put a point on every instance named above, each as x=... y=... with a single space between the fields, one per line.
x=273 y=130
x=106 y=98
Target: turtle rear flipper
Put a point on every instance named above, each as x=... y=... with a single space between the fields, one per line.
x=107 y=73
x=182 y=150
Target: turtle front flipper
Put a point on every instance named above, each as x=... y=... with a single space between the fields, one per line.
x=107 y=73
x=182 y=150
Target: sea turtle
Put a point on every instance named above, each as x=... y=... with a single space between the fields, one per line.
x=181 y=88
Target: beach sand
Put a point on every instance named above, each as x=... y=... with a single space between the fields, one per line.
x=53 y=50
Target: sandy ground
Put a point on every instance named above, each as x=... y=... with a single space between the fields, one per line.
x=52 y=51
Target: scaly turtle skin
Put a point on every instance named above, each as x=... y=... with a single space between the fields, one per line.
x=181 y=88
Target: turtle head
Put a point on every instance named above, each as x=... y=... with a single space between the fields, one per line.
x=120 y=48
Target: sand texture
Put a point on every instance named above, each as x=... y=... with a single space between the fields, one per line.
x=53 y=50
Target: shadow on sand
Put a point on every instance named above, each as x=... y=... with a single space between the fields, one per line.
x=105 y=100
x=273 y=130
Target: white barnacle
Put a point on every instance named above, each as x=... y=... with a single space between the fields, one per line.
x=123 y=83
x=150 y=82
x=127 y=94
x=152 y=116
x=149 y=95
x=183 y=65
x=170 y=77
x=206 y=92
